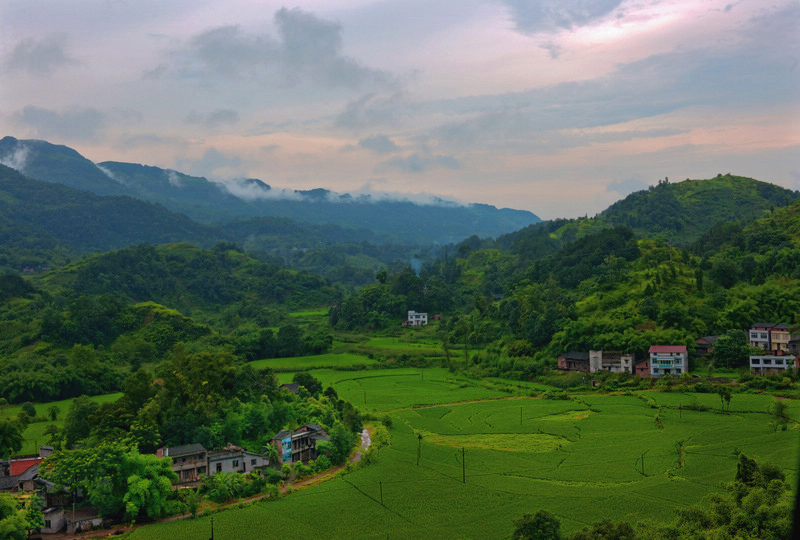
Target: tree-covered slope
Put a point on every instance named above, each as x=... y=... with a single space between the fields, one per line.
x=41 y=218
x=683 y=211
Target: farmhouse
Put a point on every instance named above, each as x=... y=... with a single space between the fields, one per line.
x=771 y=337
x=772 y=363
x=234 y=459
x=668 y=360
x=705 y=345
x=416 y=319
x=574 y=361
x=188 y=462
x=300 y=444
x=595 y=361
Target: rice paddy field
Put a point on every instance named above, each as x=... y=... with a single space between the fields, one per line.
x=467 y=457
x=330 y=360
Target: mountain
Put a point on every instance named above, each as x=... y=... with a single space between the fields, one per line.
x=679 y=212
x=683 y=211
x=40 y=221
x=398 y=221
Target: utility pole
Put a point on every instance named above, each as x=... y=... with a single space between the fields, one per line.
x=419 y=447
x=380 y=484
x=212 y=527
x=463 y=467
x=642 y=464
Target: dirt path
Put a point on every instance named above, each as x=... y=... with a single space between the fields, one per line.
x=366 y=441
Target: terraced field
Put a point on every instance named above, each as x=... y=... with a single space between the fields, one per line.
x=474 y=458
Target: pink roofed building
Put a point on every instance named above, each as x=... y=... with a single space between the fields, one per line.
x=668 y=360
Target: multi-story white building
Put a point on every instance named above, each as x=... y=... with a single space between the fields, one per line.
x=416 y=319
x=668 y=360
x=771 y=363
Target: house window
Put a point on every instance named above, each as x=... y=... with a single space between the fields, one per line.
x=219 y=467
x=763 y=336
x=253 y=462
x=235 y=463
x=47 y=523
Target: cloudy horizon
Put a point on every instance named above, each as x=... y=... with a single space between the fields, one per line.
x=556 y=107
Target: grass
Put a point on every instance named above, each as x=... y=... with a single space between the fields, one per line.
x=583 y=459
x=330 y=360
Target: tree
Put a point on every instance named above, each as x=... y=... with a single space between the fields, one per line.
x=12 y=522
x=11 y=439
x=32 y=512
x=731 y=349
x=540 y=526
x=308 y=381
x=607 y=530
x=724 y=396
x=76 y=424
x=53 y=412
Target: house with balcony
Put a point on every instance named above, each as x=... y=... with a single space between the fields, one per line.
x=772 y=363
x=300 y=444
x=771 y=337
x=188 y=461
x=668 y=360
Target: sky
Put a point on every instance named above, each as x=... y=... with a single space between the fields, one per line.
x=559 y=107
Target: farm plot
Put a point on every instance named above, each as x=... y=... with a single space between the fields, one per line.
x=331 y=361
x=390 y=389
x=467 y=470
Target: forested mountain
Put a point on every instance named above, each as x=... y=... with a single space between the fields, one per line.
x=84 y=327
x=676 y=212
x=683 y=211
x=43 y=223
x=396 y=221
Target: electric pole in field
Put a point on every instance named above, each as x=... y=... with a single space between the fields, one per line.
x=463 y=466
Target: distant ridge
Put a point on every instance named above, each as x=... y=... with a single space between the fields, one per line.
x=399 y=221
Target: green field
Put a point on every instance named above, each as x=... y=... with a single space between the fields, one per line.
x=591 y=457
x=330 y=360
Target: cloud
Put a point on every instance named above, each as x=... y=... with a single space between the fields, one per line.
x=76 y=124
x=532 y=16
x=108 y=172
x=420 y=162
x=39 y=57
x=306 y=51
x=380 y=144
x=369 y=110
x=214 y=119
x=17 y=159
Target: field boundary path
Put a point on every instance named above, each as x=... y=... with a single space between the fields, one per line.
x=366 y=442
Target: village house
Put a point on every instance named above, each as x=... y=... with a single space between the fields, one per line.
x=234 y=459
x=668 y=360
x=705 y=345
x=573 y=361
x=772 y=363
x=595 y=361
x=771 y=337
x=416 y=319
x=300 y=444
x=188 y=462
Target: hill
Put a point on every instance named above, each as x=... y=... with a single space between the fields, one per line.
x=398 y=221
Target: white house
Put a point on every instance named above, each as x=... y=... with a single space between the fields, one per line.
x=668 y=360
x=416 y=319
x=234 y=459
x=771 y=363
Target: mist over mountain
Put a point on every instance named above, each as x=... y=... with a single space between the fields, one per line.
x=394 y=219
